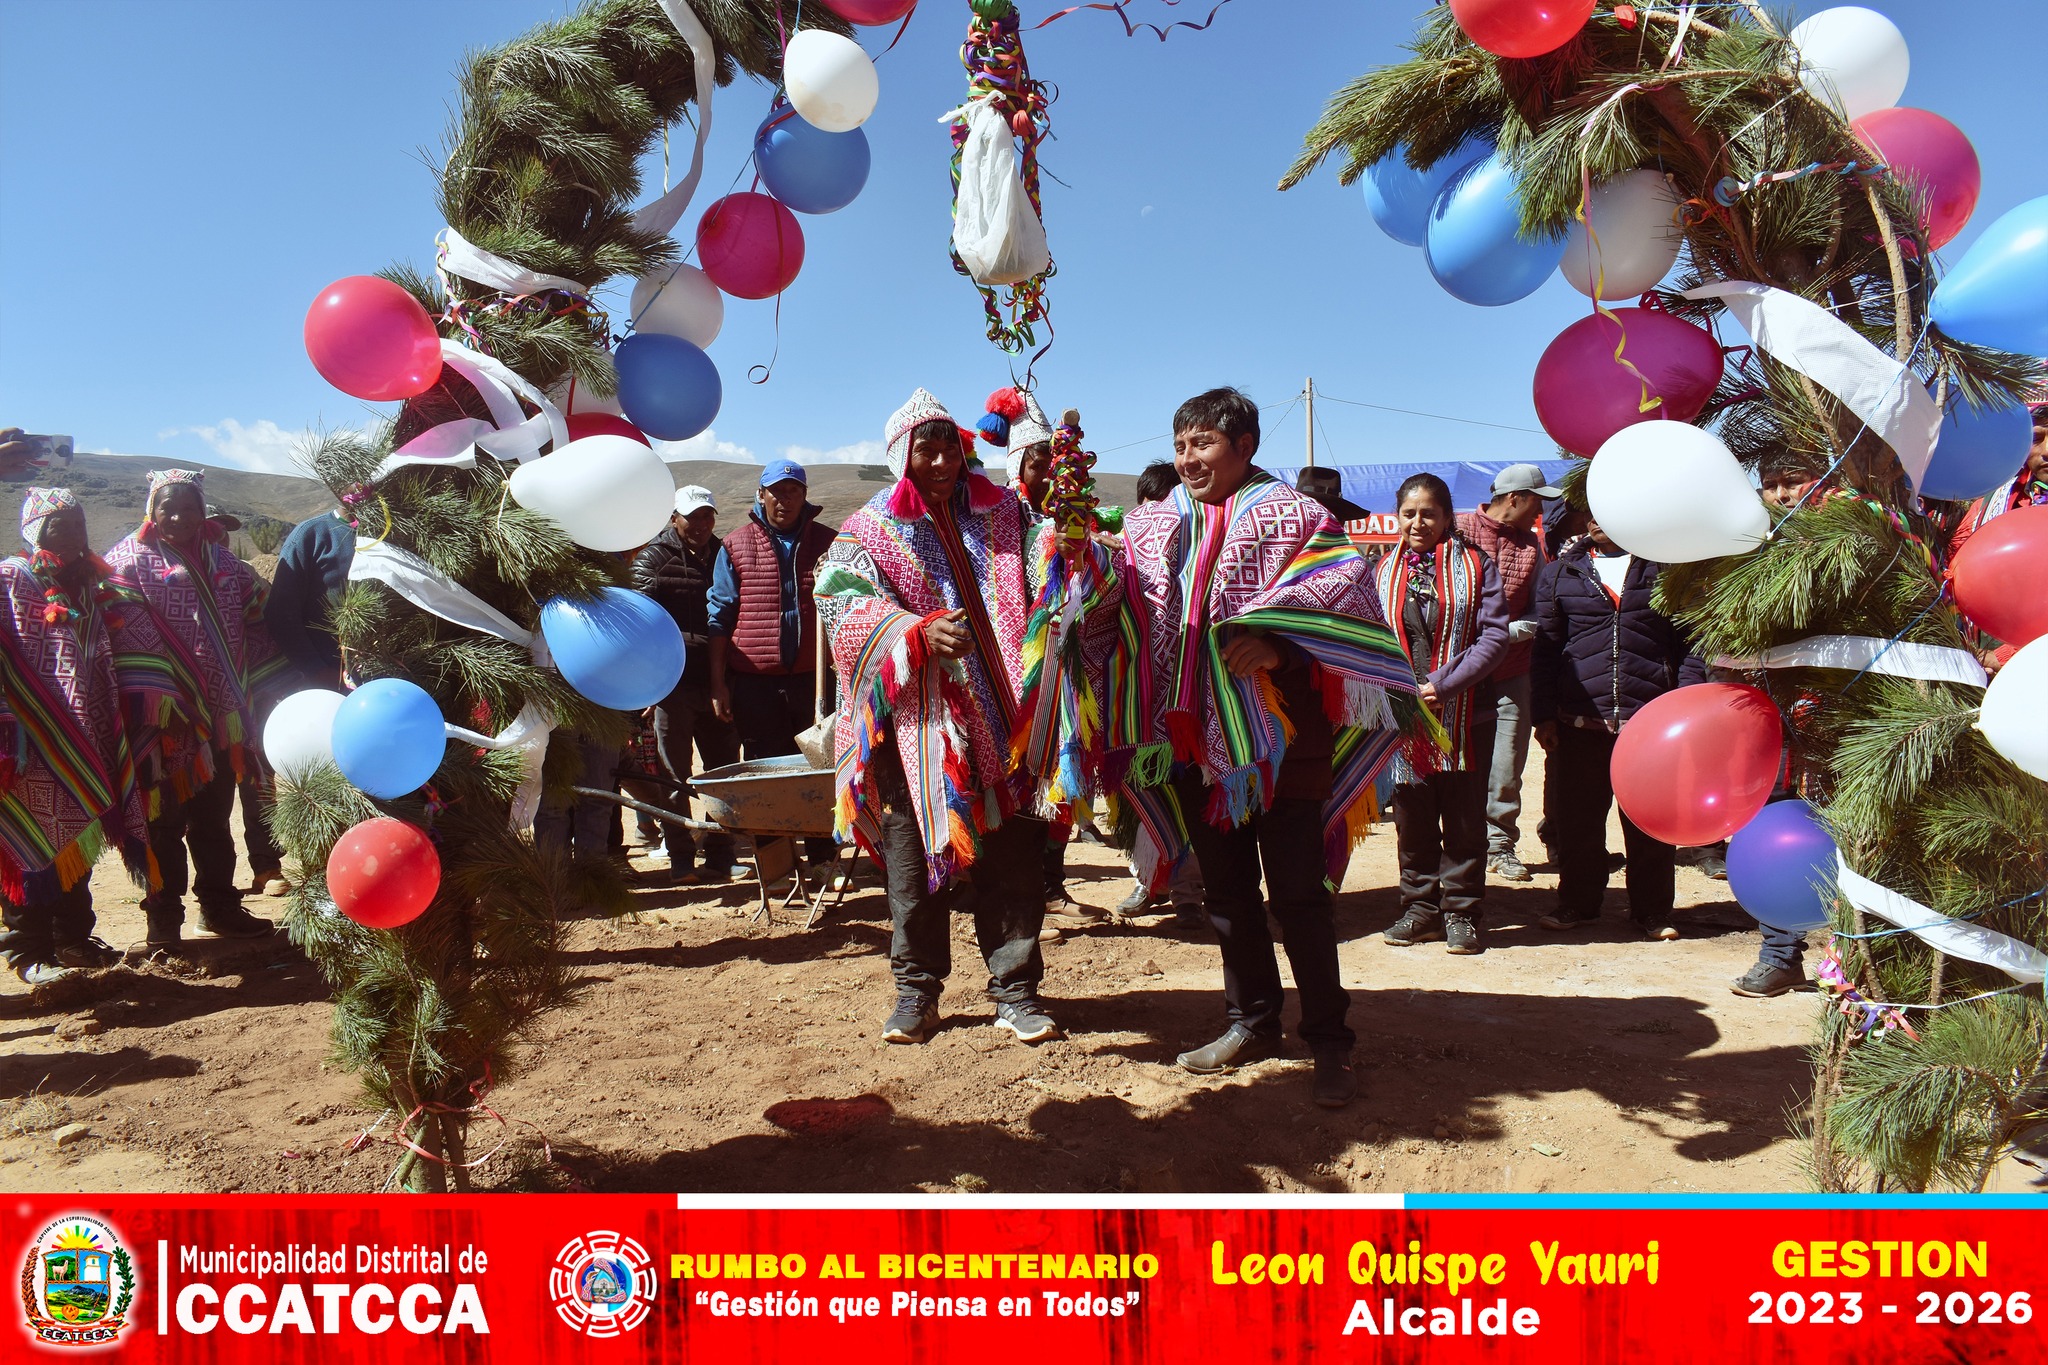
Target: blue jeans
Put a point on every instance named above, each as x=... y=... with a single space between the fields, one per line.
x=1781 y=947
x=582 y=824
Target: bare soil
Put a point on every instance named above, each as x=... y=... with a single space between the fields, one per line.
x=710 y=1054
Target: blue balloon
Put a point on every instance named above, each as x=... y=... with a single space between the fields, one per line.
x=1780 y=865
x=389 y=737
x=668 y=387
x=1997 y=295
x=1474 y=245
x=619 y=649
x=1398 y=196
x=1976 y=450
x=807 y=168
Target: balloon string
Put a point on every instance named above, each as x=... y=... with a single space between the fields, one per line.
x=1905 y=368
x=1646 y=401
x=767 y=371
x=1966 y=917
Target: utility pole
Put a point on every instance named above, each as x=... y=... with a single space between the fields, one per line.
x=1311 y=421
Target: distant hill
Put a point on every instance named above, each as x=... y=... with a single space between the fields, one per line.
x=112 y=488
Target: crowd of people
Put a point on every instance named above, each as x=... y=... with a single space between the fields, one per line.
x=1262 y=688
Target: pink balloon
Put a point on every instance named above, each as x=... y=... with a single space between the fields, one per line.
x=1521 y=28
x=582 y=424
x=750 y=245
x=871 y=12
x=1931 y=154
x=1583 y=396
x=1698 y=763
x=372 y=340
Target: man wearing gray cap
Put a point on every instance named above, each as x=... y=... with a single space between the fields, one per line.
x=1505 y=529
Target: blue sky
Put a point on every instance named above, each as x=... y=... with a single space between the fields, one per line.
x=179 y=178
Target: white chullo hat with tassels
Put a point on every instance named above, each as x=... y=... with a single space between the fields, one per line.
x=1026 y=432
x=921 y=408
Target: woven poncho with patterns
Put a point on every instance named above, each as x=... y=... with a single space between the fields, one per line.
x=895 y=566
x=212 y=608
x=88 y=699
x=1269 y=560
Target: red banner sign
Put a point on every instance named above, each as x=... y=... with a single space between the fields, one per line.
x=599 y=1278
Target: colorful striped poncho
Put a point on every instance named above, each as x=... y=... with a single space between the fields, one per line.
x=215 y=618
x=1267 y=560
x=72 y=773
x=895 y=566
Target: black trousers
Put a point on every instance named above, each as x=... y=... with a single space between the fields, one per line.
x=1287 y=842
x=255 y=792
x=200 y=822
x=770 y=710
x=685 y=718
x=1440 y=827
x=1578 y=824
x=35 y=932
x=1005 y=890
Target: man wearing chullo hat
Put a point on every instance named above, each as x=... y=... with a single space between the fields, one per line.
x=209 y=605
x=927 y=593
x=76 y=661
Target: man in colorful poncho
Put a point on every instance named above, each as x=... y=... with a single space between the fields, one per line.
x=76 y=662
x=209 y=604
x=927 y=593
x=1251 y=703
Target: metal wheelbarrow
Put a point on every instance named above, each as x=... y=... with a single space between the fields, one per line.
x=773 y=801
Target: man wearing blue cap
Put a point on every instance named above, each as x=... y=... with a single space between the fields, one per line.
x=764 y=641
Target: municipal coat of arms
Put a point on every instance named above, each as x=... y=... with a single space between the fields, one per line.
x=77 y=1282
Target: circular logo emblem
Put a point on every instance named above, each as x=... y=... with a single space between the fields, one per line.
x=602 y=1284
x=77 y=1282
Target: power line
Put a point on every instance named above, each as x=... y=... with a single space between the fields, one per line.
x=1438 y=416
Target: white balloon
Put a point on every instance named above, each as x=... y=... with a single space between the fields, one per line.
x=681 y=301
x=300 y=732
x=1635 y=218
x=830 y=80
x=1852 y=56
x=1671 y=492
x=607 y=493
x=2013 y=718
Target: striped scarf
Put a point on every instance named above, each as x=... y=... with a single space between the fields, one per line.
x=1455 y=574
x=1267 y=560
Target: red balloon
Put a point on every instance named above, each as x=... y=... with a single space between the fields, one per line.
x=871 y=12
x=1698 y=763
x=1521 y=28
x=1931 y=154
x=2001 y=572
x=1583 y=396
x=582 y=424
x=750 y=245
x=383 y=873
x=372 y=340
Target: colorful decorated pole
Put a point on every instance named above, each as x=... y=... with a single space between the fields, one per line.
x=1071 y=501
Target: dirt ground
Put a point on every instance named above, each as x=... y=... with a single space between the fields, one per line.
x=1554 y=1062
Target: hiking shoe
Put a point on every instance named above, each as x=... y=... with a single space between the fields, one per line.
x=93 y=954
x=1028 y=1021
x=1238 y=1046
x=37 y=972
x=166 y=927
x=1335 y=1083
x=232 y=921
x=1050 y=933
x=1508 y=868
x=1658 y=930
x=915 y=1017
x=1763 y=981
x=1461 y=936
x=1416 y=926
x=276 y=884
x=1557 y=919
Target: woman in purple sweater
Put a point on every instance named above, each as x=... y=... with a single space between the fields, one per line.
x=1443 y=600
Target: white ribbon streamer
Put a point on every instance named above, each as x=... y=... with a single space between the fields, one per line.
x=663 y=214
x=528 y=736
x=460 y=256
x=1931 y=663
x=1958 y=938
x=1876 y=387
x=510 y=435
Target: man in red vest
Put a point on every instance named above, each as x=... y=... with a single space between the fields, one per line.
x=764 y=641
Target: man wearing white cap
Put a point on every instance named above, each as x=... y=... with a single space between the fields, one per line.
x=926 y=595
x=1505 y=530
x=675 y=570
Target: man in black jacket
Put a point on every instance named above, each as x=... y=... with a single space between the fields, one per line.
x=675 y=570
x=1602 y=654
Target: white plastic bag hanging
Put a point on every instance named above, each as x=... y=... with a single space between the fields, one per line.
x=995 y=230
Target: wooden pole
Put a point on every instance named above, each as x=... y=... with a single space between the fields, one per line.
x=1311 y=421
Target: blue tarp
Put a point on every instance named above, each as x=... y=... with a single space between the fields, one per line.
x=1372 y=486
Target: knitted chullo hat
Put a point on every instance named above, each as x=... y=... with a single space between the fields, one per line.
x=921 y=408
x=1027 y=431
x=37 y=506
x=163 y=479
